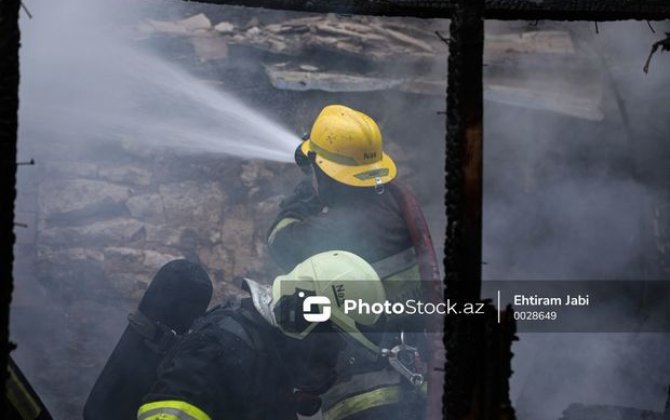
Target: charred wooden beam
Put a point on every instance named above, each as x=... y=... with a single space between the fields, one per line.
x=9 y=100
x=478 y=348
x=589 y=10
x=463 y=247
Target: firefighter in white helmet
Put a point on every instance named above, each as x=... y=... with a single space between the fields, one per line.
x=263 y=358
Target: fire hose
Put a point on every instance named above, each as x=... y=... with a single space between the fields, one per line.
x=432 y=291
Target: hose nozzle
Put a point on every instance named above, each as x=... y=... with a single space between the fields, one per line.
x=303 y=161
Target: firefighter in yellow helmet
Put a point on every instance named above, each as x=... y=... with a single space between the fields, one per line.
x=348 y=148
x=350 y=200
x=344 y=202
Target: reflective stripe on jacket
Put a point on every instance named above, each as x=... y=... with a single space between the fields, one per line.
x=170 y=410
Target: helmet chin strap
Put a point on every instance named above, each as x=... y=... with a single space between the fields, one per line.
x=379 y=187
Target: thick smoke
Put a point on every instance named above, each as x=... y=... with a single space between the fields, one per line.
x=564 y=198
x=85 y=79
x=575 y=200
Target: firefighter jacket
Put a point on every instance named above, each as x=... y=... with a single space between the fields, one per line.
x=231 y=365
x=363 y=222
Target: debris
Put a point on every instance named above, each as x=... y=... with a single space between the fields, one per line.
x=536 y=42
x=301 y=79
x=406 y=56
x=380 y=40
x=548 y=88
x=210 y=48
x=307 y=67
x=30 y=162
x=399 y=36
x=252 y=22
x=156 y=26
x=25 y=9
x=570 y=87
x=663 y=44
x=194 y=24
x=253 y=31
x=225 y=28
x=197 y=22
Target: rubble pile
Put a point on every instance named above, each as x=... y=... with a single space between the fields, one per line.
x=378 y=40
x=103 y=224
x=336 y=53
x=371 y=38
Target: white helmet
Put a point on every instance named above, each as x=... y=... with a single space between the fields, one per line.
x=315 y=291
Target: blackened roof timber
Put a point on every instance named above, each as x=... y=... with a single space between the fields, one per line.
x=588 y=10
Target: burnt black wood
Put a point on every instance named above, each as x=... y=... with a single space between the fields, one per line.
x=589 y=10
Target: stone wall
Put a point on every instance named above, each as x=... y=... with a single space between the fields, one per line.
x=106 y=227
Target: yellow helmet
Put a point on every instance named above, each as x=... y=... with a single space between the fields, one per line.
x=348 y=148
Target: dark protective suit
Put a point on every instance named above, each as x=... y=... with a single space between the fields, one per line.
x=351 y=219
x=234 y=365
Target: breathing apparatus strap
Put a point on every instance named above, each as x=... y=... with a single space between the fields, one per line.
x=157 y=337
x=396 y=263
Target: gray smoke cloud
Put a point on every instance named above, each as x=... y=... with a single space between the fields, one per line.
x=88 y=79
x=568 y=199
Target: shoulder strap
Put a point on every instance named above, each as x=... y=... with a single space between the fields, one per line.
x=157 y=336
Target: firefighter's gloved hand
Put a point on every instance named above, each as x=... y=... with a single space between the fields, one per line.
x=304 y=201
x=302 y=160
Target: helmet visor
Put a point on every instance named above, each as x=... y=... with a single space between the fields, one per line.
x=291 y=316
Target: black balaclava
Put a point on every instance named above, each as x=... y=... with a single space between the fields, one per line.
x=185 y=292
x=332 y=192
